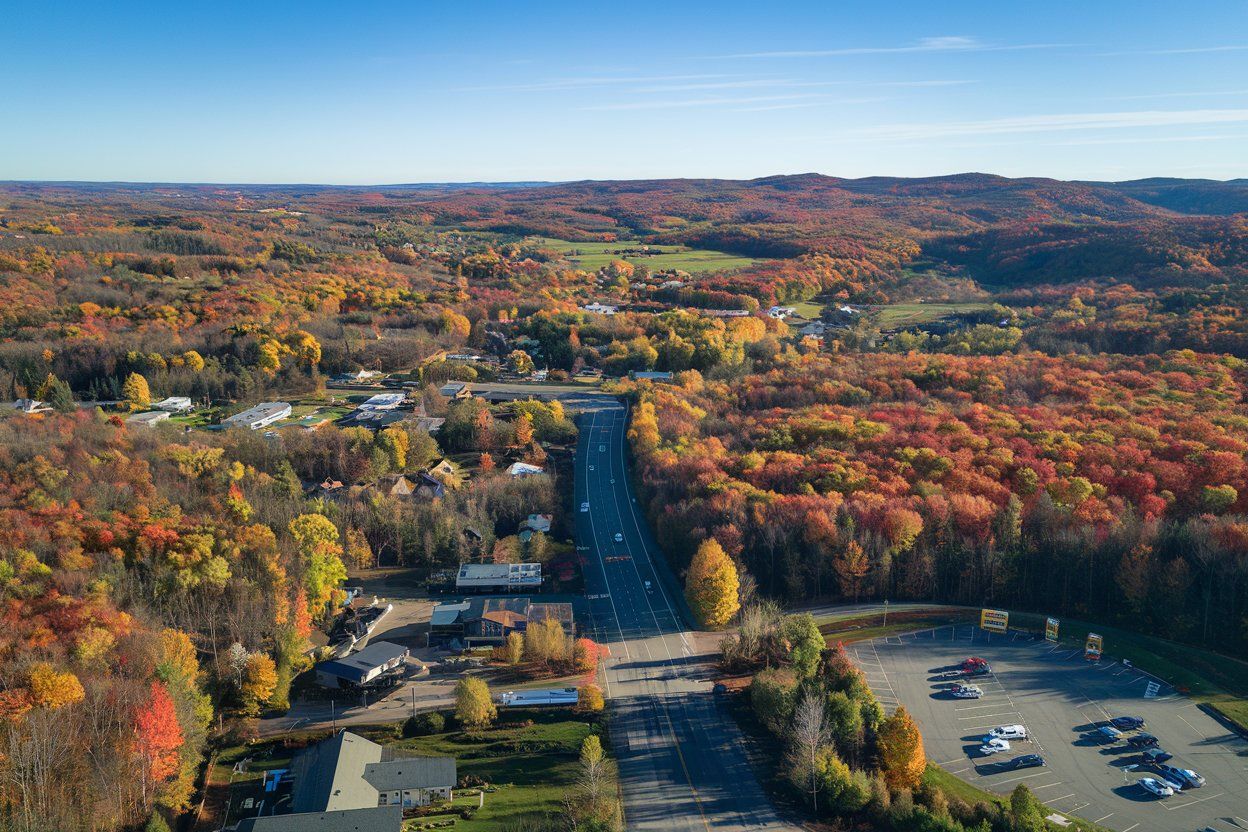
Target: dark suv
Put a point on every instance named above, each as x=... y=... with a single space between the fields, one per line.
x=1026 y=761
x=1127 y=723
x=1142 y=741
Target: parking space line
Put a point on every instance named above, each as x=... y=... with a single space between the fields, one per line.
x=1063 y=797
x=1098 y=820
x=1129 y=828
x=987 y=716
x=976 y=707
x=1023 y=777
x=1045 y=786
x=1170 y=807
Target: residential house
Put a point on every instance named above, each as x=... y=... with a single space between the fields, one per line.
x=601 y=308
x=538 y=522
x=445 y=471
x=524 y=469
x=456 y=390
x=781 y=312
x=429 y=488
x=347 y=772
x=374 y=819
x=30 y=406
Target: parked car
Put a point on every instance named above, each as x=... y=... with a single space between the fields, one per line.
x=1007 y=732
x=973 y=662
x=1026 y=761
x=1127 y=723
x=1142 y=741
x=966 y=691
x=1107 y=732
x=1156 y=755
x=992 y=746
x=1156 y=787
x=1185 y=777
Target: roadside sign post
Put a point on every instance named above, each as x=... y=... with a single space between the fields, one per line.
x=994 y=621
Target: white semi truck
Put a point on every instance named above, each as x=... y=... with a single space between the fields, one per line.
x=539 y=697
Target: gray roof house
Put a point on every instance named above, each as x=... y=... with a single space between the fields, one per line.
x=347 y=771
x=375 y=819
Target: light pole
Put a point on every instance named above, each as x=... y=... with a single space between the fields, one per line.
x=885 y=612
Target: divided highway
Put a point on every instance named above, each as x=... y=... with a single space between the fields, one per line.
x=681 y=757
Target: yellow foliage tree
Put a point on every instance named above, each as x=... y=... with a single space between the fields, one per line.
x=51 y=689
x=644 y=432
x=136 y=392
x=259 y=681
x=589 y=698
x=474 y=707
x=711 y=585
x=901 y=751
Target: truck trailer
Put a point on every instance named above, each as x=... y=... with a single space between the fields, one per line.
x=541 y=697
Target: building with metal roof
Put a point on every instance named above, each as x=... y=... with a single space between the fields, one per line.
x=372 y=819
x=363 y=667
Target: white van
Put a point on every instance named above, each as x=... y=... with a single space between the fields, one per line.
x=1007 y=732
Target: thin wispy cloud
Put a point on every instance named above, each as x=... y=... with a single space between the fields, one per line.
x=722 y=101
x=1053 y=123
x=794 y=83
x=1187 y=50
x=950 y=43
x=591 y=82
x=1189 y=94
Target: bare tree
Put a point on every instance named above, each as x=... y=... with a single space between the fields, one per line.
x=809 y=736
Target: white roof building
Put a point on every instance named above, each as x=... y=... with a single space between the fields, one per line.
x=174 y=404
x=384 y=401
x=601 y=308
x=498 y=576
x=147 y=419
x=524 y=469
x=260 y=416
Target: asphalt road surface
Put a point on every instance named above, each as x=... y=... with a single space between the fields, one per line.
x=1060 y=698
x=681 y=757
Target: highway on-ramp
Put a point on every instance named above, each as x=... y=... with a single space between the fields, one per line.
x=681 y=757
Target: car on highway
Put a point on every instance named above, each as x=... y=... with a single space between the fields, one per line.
x=1127 y=723
x=584 y=507
x=1007 y=732
x=992 y=745
x=1185 y=777
x=601 y=448
x=1025 y=761
x=1156 y=755
x=649 y=588
x=619 y=538
x=1156 y=787
x=966 y=691
x=1142 y=741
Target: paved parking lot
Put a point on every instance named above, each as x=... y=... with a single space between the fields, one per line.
x=1059 y=697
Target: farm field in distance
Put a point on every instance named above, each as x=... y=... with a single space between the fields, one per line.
x=897 y=315
x=593 y=256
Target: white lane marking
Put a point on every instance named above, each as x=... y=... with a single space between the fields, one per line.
x=1045 y=786
x=1170 y=807
x=989 y=716
x=1098 y=820
x=1063 y=797
x=1024 y=777
x=1129 y=828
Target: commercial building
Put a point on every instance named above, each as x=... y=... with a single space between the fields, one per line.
x=384 y=401
x=260 y=416
x=374 y=819
x=488 y=621
x=498 y=577
x=175 y=404
x=369 y=666
x=148 y=418
x=524 y=469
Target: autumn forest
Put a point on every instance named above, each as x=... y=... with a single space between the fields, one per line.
x=969 y=389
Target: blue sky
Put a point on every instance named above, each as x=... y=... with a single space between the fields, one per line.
x=370 y=92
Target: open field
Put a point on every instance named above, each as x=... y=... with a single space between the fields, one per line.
x=1059 y=697
x=593 y=256
x=907 y=314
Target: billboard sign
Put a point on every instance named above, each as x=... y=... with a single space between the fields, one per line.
x=1093 y=648
x=1050 y=629
x=994 y=621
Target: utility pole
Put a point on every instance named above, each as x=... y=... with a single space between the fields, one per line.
x=413 y=701
x=885 y=612
x=333 y=716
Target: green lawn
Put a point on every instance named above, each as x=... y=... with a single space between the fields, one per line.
x=906 y=314
x=593 y=256
x=532 y=766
